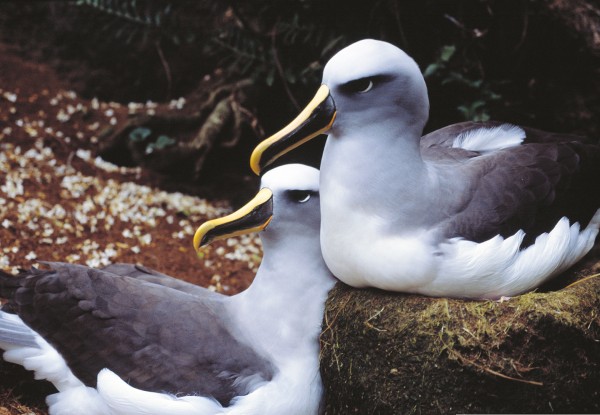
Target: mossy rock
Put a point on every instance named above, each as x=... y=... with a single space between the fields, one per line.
x=387 y=353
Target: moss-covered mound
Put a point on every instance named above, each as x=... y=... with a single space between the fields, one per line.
x=385 y=353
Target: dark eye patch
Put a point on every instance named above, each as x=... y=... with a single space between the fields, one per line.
x=359 y=86
x=300 y=196
x=363 y=85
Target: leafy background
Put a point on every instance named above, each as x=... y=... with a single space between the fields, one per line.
x=514 y=60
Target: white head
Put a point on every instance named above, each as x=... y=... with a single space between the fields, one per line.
x=375 y=83
x=373 y=93
x=286 y=208
x=296 y=212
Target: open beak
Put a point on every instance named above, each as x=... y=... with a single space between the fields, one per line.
x=315 y=119
x=254 y=216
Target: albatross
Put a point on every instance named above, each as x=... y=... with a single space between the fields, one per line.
x=473 y=210
x=129 y=340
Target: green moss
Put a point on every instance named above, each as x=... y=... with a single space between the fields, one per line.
x=402 y=354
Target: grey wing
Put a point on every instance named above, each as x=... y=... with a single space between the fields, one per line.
x=154 y=337
x=149 y=275
x=529 y=187
x=528 y=184
x=447 y=137
x=443 y=144
x=444 y=137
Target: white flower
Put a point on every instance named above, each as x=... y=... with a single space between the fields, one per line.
x=145 y=239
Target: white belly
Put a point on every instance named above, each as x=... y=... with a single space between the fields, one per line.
x=361 y=254
x=361 y=251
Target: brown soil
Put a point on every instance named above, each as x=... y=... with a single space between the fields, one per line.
x=57 y=203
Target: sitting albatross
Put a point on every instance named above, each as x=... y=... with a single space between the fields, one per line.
x=126 y=340
x=473 y=210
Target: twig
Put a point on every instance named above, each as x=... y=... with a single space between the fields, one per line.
x=368 y=324
x=487 y=369
x=166 y=68
x=280 y=71
x=330 y=324
x=582 y=280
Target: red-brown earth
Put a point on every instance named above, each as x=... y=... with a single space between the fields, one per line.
x=59 y=202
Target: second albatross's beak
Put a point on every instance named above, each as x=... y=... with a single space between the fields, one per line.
x=254 y=216
x=315 y=119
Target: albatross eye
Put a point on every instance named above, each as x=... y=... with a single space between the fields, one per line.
x=299 y=196
x=359 y=86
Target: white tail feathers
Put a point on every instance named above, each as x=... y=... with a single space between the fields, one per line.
x=27 y=348
x=124 y=399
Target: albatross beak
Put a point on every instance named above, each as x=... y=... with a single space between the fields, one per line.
x=315 y=119
x=254 y=216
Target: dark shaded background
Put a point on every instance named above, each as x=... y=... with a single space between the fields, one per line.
x=528 y=62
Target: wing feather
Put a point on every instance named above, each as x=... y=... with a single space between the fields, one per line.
x=529 y=187
x=154 y=337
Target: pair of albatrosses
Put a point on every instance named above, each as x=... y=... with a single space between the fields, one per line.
x=126 y=340
x=473 y=210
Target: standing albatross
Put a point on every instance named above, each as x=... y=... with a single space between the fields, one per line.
x=126 y=340
x=474 y=210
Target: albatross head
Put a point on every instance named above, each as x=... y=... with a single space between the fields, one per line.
x=368 y=85
x=286 y=208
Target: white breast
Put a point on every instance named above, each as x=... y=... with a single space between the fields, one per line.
x=361 y=252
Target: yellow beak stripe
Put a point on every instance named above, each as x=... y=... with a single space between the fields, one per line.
x=255 y=159
x=254 y=216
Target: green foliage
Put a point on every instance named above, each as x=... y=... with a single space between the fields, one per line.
x=284 y=45
x=139 y=134
x=143 y=134
x=440 y=65
x=140 y=21
x=128 y=10
x=162 y=142
x=268 y=42
x=449 y=70
x=474 y=111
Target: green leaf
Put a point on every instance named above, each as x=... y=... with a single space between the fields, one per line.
x=464 y=111
x=455 y=77
x=139 y=134
x=270 y=78
x=290 y=77
x=431 y=69
x=447 y=53
x=331 y=45
x=492 y=96
x=477 y=104
x=476 y=84
x=163 y=141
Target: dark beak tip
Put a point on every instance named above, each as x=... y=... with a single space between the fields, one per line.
x=206 y=240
